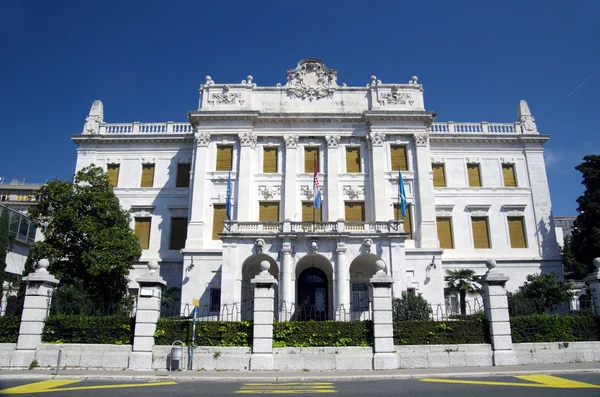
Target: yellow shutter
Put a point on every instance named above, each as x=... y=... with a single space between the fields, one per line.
x=352 y=159
x=398 y=156
x=183 y=175
x=268 y=211
x=147 y=175
x=113 y=174
x=474 y=176
x=444 y=229
x=481 y=237
x=219 y=216
x=307 y=212
x=178 y=233
x=508 y=171
x=407 y=219
x=516 y=230
x=142 y=231
x=309 y=159
x=439 y=175
x=224 y=157
x=355 y=211
x=270 y=160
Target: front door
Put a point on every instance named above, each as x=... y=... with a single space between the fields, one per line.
x=312 y=295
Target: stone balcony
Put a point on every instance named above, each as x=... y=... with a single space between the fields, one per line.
x=323 y=229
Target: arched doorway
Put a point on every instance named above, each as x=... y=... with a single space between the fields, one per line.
x=312 y=295
x=250 y=269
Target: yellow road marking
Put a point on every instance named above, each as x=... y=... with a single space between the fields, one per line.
x=287 y=388
x=546 y=381
x=53 y=385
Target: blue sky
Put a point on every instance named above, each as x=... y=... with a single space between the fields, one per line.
x=146 y=59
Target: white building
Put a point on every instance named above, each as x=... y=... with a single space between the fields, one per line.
x=475 y=191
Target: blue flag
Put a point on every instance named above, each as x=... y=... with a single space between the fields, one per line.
x=228 y=205
x=401 y=194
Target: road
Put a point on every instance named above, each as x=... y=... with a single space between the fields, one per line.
x=573 y=385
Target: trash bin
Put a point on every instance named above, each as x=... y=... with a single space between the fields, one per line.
x=176 y=354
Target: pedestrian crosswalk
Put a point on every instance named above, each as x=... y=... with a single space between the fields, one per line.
x=287 y=388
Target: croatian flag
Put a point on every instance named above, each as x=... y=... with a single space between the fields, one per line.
x=401 y=194
x=228 y=205
x=317 y=187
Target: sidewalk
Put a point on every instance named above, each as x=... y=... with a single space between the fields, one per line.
x=274 y=376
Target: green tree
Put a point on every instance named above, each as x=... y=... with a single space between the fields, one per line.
x=544 y=291
x=87 y=236
x=461 y=282
x=571 y=265
x=585 y=244
x=411 y=307
x=4 y=245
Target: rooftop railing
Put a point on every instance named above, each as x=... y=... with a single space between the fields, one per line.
x=483 y=127
x=169 y=127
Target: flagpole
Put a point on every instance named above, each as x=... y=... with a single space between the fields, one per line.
x=315 y=193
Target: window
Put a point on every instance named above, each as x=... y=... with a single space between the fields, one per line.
x=439 y=175
x=219 y=216
x=508 y=173
x=355 y=211
x=352 y=159
x=444 y=229
x=310 y=153
x=269 y=160
x=411 y=291
x=224 y=157
x=407 y=219
x=142 y=231
x=178 y=233
x=398 y=157
x=307 y=212
x=113 y=174
x=268 y=211
x=474 y=175
x=481 y=239
x=215 y=299
x=147 y=175
x=516 y=231
x=360 y=299
x=183 y=175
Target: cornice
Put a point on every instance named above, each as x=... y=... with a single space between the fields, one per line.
x=129 y=138
x=375 y=116
x=483 y=138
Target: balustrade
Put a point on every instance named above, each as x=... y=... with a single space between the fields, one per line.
x=474 y=128
x=146 y=128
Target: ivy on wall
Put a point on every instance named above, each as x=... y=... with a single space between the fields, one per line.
x=9 y=329
x=235 y=333
x=60 y=328
x=464 y=331
x=323 y=333
x=555 y=328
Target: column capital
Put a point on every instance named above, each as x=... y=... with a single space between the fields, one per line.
x=286 y=248
x=333 y=141
x=341 y=248
x=421 y=139
x=291 y=141
x=202 y=139
x=376 y=139
x=247 y=139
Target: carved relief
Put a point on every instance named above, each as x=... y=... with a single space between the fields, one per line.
x=333 y=141
x=226 y=97
x=269 y=193
x=421 y=139
x=352 y=193
x=291 y=141
x=311 y=80
x=248 y=139
x=394 y=97
x=307 y=191
x=92 y=124
x=376 y=138
x=528 y=123
x=202 y=138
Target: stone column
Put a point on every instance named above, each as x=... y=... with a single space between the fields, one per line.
x=426 y=235
x=245 y=181
x=147 y=314
x=289 y=183
x=383 y=327
x=593 y=282
x=342 y=295
x=38 y=296
x=286 y=288
x=4 y=298
x=495 y=303
x=264 y=297
x=197 y=233
x=378 y=182
x=333 y=185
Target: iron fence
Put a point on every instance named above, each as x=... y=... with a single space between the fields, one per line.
x=238 y=311
x=290 y=311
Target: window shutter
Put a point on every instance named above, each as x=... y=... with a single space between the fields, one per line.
x=439 y=175
x=352 y=159
x=147 y=175
x=516 y=230
x=142 y=231
x=399 y=159
x=178 y=233
x=407 y=219
x=224 y=157
x=219 y=216
x=113 y=174
x=183 y=175
x=474 y=176
x=355 y=211
x=268 y=211
x=270 y=160
x=307 y=212
x=309 y=159
x=508 y=171
x=444 y=228
x=481 y=239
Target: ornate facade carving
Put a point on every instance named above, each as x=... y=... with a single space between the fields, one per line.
x=376 y=138
x=226 y=97
x=291 y=141
x=248 y=139
x=395 y=97
x=311 y=80
x=333 y=141
x=307 y=191
x=268 y=193
x=202 y=138
x=354 y=193
x=421 y=139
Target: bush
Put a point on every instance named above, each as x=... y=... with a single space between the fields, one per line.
x=61 y=328
x=467 y=331
x=9 y=329
x=221 y=333
x=555 y=328
x=411 y=307
x=323 y=333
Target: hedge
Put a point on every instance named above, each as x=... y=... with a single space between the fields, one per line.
x=9 y=329
x=554 y=328
x=323 y=333
x=221 y=333
x=61 y=328
x=474 y=330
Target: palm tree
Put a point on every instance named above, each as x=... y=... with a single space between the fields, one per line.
x=461 y=281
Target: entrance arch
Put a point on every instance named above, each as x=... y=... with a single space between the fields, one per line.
x=314 y=292
x=362 y=269
x=250 y=269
